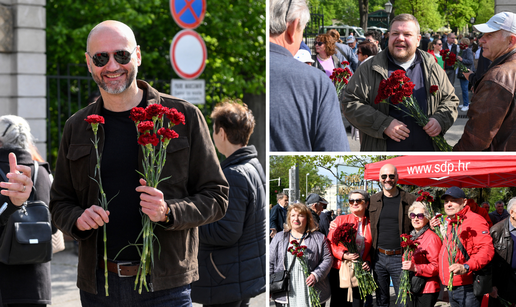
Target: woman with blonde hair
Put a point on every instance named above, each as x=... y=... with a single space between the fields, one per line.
x=27 y=284
x=300 y=226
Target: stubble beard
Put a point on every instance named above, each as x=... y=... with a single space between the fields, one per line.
x=116 y=88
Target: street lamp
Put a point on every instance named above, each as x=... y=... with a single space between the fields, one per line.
x=388 y=9
x=307 y=183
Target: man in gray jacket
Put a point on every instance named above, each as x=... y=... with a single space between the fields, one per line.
x=384 y=128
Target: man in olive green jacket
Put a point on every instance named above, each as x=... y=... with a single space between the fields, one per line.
x=375 y=121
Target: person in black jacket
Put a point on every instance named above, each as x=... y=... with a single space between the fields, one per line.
x=27 y=284
x=232 y=250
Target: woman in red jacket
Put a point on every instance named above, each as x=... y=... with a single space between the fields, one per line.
x=358 y=203
x=425 y=260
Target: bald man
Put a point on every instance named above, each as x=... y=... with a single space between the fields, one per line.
x=388 y=211
x=196 y=192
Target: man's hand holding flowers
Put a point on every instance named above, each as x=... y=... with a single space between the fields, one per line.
x=152 y=202
x=92 y=218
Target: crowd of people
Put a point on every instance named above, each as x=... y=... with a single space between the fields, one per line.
x=451 y=248
x=206 y=216
x=305 y=112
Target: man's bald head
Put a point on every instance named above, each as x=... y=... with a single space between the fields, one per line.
x=113 y=27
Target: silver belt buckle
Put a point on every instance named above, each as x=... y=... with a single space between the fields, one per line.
x=118 y=264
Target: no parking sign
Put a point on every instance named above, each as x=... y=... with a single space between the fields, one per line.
x=188 y=14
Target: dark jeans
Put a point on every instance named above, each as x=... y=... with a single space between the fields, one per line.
x=423 y=300
x=122 y=293
x=386 y=268
x=339 y=295
x=462 y=296
x=242 y=303
x=451 y=75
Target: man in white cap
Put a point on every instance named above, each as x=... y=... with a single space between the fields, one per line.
x=492 y=115
x=352 y=43
x=303 y=55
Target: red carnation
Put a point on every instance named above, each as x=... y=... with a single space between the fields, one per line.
x=95 y=119
x=147 y=138
x=408 y=88
x=345 y=63
x=155 y=110
x=175 y=116
x=420 y=198
x=300 y=254
x=433 y=89
x=293 y=242
x=145 y=126
x=167 y=134
x=138 y=114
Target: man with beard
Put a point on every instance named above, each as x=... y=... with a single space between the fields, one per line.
x=196 y=192
x=388 y=213
x=383 y=127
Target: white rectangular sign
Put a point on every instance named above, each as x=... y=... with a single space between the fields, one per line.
x=192 y=91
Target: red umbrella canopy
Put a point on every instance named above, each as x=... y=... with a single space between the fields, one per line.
x=476 y=171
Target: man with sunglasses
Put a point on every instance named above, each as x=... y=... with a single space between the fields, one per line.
x=304 y=107
x=476 y=242
x=388 y=213
x=196 y=192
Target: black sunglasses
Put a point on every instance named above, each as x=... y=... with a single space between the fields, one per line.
x=288 y=8
x=319 y=43
x=358 y=201
x=391 y=176
x=419 y=216
x=100 y=59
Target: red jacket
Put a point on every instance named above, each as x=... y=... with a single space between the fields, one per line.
x=339 y=250
x=475 y=237
x=426 y=259
x=480 y=211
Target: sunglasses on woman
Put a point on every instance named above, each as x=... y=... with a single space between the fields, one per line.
x=319 y=43
x=100 y=59
x=419 y=216
x=391 y=176
x=358 y=201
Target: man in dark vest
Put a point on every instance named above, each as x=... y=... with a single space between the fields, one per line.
x=450 y=45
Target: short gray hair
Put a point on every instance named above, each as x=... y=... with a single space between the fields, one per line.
x=510 y=204
x=500 y=202
x=15 y=132
x=361 y=192
x=418 y=204
x=278 y=10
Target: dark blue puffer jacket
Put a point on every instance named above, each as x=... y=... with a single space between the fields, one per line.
x=232 y=250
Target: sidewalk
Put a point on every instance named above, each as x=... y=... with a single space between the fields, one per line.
x=64 y=279
x=453 y=134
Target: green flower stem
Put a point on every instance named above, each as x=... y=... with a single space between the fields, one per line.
x=404 y=288
x=366 y=283
x=314 y=296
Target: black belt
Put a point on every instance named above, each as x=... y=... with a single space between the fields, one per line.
x=390 y=252
x=123 y=269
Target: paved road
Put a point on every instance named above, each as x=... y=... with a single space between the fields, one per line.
x=64 y=277
x=452 y=135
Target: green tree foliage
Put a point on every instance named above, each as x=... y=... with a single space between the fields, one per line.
x=279 y=168
x=457 y=13
x=426 y=12
x=485 y=11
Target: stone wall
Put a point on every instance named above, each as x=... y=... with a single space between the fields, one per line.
x=23 y=64
x=505 y=6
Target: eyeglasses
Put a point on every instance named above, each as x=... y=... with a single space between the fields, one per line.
x=319 y=43
x=391 y=176
x=439 y=44
x=288 y=8
x=358 y=201
x=419 y=216
x=358 y=52
x=100 y=59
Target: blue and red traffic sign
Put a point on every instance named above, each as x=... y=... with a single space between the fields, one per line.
x=188 y=14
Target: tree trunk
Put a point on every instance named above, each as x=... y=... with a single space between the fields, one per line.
x=363 y=6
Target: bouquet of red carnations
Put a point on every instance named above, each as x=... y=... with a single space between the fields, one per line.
x=298 y=251
x=399 y=89
x=340 y=77
x=154 y=135
x=409 y=247
x=426 y=199
x=346 y=234
x=452 y=246
x=451 y=59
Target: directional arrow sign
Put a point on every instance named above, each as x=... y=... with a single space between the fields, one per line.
x=188 y=54
x=188 y=14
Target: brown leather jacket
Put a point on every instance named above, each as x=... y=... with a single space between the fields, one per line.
x=492 y=114
x=503 y=246
x=196 y=193
x=375 y=209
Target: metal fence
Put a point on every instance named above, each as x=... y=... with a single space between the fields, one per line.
x=312 y=28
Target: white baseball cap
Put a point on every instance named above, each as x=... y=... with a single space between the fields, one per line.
x=501 y=21
x=303 y=56
x=351 y=39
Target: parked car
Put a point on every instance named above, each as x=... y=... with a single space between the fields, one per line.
x=344 y=31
